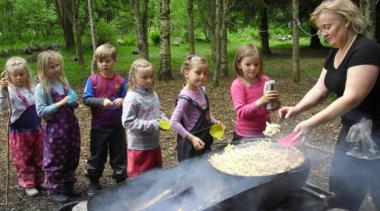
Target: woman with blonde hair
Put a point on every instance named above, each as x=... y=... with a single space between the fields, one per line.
x=351 y=71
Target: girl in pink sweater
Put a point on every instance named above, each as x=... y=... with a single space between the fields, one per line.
x=247 y=94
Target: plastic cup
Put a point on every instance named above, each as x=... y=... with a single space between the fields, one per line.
x=73 y=96
x=164 y=124
x=217 y=131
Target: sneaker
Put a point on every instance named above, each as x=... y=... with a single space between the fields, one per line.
x=119 y=180
x=42 y=186
x=31 y=192
x=59 y=197
x=93 y=187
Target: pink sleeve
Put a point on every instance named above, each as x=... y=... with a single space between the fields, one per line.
x=175 y=119
x=242 y=109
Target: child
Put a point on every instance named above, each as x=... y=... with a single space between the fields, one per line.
x=191 y=118
x=62 y=142
x=104 y=93
x=25 y=132
x=247 y=94
x=141 y=112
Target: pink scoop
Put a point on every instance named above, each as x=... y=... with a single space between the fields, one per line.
x=287 y=142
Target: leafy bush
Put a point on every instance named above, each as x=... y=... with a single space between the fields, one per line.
x=155 y=37
x=106 y=32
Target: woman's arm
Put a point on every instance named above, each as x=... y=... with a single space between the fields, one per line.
x=312 y=98
x=360 y=81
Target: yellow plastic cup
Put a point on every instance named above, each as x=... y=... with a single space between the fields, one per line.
x=164 y=124
x=217 y=131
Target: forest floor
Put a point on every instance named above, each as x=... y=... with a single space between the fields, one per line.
x=319 y=148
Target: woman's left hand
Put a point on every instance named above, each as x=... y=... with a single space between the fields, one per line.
x=304 y=129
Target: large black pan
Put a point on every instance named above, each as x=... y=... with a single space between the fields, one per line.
x=195 y=185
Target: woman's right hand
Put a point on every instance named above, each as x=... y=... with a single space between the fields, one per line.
x=287 y=112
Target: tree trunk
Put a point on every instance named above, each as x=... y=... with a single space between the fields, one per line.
x=141 y=26
x=78 y=30
x=315 y=42
x=218 y=24
x=370 y=18
x=208 y=21
x=296 y=34
x=224 y=55
x=377 y=22
x=63 y=8
x=264 y=37
x=191 y=26
x=93 y=35
x=164 y=72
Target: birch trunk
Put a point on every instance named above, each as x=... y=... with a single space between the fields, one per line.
x=296 y=34
x=191 y=27
x=164 y=72
x=141 y=18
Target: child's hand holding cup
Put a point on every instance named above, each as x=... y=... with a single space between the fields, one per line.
x=164 y=124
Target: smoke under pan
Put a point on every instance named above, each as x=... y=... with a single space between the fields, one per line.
x=196 y=185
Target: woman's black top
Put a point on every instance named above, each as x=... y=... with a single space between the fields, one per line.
x=362 y=52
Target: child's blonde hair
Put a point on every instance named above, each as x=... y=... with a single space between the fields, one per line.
x=138 y=65
x=43 y=61
x=105 y=51
x=245 y=51
x=189 y=62
x=17 y=63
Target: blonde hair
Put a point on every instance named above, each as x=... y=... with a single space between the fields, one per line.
x=105 y=51
x=17 y=63
x=138 y=65
x=245 y=51
x=188 y=64
x=43 y=61
x=345 y=9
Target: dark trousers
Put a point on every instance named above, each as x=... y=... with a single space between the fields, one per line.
x=351 y=178
x=106 y=140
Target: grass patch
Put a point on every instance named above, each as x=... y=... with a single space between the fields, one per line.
x=276 y=66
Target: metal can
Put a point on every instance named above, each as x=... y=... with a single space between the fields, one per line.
x=270 y=86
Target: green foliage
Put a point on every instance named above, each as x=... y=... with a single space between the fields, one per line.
x=155 y=37
x=26 y=20
x=106 y=32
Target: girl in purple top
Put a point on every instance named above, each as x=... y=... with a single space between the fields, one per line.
x=247 y=94
x=62 y=136
x=191 y=118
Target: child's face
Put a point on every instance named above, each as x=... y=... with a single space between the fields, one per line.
x=54 y=70
x=250 y=66
x=19 y=77
x=145 y=78
x=105 y=64
x=197 y=75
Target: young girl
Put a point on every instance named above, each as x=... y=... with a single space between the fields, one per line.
x=247 y=94
x=62 y=142
x=141 y=112
x=191 y=118
x=25 y=133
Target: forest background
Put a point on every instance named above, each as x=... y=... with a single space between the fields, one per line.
x=164 y=32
